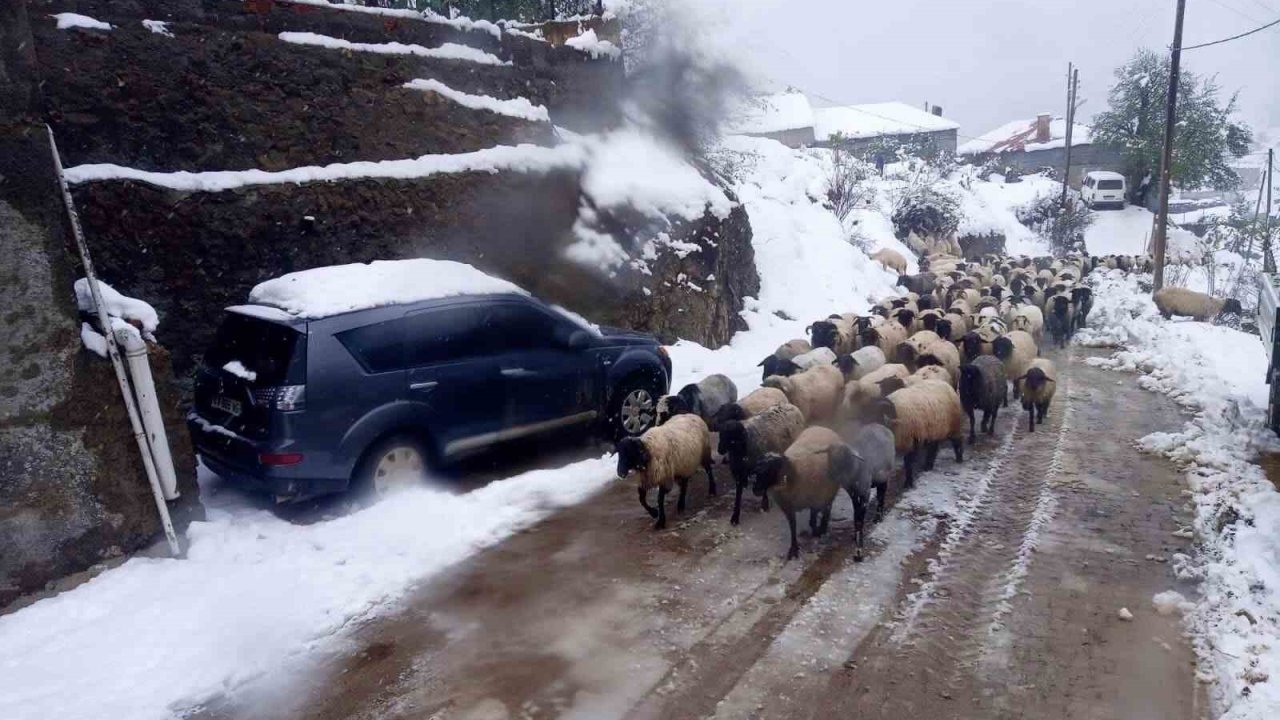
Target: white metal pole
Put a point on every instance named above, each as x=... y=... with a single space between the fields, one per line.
x=144 y=390
x=114 y=352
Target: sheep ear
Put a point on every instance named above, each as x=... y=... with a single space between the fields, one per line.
x=762 y=362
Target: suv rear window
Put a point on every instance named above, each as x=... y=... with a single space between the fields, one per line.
x=1110 y=184
x=273 y=352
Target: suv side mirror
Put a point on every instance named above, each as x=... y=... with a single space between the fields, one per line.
x=579 y=340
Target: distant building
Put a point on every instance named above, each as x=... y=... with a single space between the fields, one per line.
x=1030 y=145
x=864 y=127
x=790 y=119
x=785 y=117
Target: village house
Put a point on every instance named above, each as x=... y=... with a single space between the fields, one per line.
x=791 y=119
x=1030 y=145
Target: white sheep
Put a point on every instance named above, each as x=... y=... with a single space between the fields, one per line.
x=921 y=416
x=773 y=364
x=1172 y=301
x=891 y=260
x=942 y=353
x=1029 y=319
x=908 y=350
x=866 y=389
x=666 y=456
x=860 y=362
x=752 y=404
x=800 y=479
x=816 y=391
x=887 y=336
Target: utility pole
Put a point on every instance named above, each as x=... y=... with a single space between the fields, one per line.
x=1073 y=87
x=1268 y=259
x=1166 y=157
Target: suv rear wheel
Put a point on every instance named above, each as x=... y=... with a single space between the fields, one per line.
x=634 y=406
x=392 y=464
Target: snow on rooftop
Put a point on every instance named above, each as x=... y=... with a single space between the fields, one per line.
x=1020 y=135
x=876 y=119
x=447 y=51
x=67 y=21
x=515 y=158
x=517 y=107
x=325 y=291
x=772 y=113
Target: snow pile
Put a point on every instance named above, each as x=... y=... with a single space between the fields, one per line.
x=807 y=268
x=325 y=291
x=629 y=169
x=237 y=368
x=991 y=207
x=875 y=120
x=588 y=43
x=122 y=309
x=514 y=158
x=1170 y=602
x=158 y=27
x=67 y=21
x=1218 y=374
x=517 y=107
x=447 y=51
x=154 y=638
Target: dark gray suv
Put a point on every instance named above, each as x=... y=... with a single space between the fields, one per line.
x=304 y=407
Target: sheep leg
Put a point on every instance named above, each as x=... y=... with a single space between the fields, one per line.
x=957 y=444
x=1044 y=408
x=930 y=455
x=644 y=500
x=1031 y=411
x=662 y=509
x=995 y=413
x=882 y=491
x=684 y=491
x=764 y=503
x=908 y=460
x=813 y=522
x=859 y=519
x=711 y=478
x=794 y=550
x=737 y=503
x=972 y=436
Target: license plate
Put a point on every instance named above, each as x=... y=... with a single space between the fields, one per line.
x=227 y=405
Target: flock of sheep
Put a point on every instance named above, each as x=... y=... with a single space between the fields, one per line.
x=837 y=409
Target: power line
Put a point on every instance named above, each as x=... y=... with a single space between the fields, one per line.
x=1235 y=37
x=1235 y=10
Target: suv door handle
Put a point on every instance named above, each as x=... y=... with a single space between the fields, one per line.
x=423 y=385
x=517 y=373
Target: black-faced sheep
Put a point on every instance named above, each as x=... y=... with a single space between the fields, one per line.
x=1082 y=298
x=941 y=353
x=754 y=403
x=983 y=386
x=858 y=393
x=745 y=442
x=921 y=416
x=865 y=463
x=909 y=350
x=785 y=351
x=704 y=399
x=800 y=479
x=1037 y=387
x=886 y=336
x=1016 y=350
x=860 y=362
x=1029 y=319
x=664 y=457
x=1058 y=322
x=835 y=333
x=816 y=391
x=1172 y=301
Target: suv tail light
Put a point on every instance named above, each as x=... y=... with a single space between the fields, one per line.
x=280 y=458
x=281 y=397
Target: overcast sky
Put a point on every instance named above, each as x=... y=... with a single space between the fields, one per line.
x=990 y=61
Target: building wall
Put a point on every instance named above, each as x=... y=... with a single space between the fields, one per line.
x=1084 y=159
x=796 y=137
x=942 y=141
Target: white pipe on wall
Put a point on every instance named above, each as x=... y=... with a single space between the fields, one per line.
x=144 y=388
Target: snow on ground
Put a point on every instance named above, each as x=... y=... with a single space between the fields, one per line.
x=808 y=270
x=425 y=15
x=325 y=291
x=447 y=51
x=1218 y=374
x=68 y=21
x=515 y=158
x=155 y=637
x=630 y=168
x=1119 y=232
x=516 y=107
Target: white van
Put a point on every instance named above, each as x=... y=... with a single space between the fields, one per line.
x=1102 y=187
